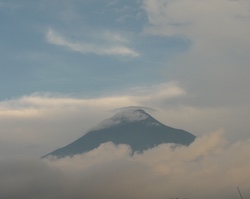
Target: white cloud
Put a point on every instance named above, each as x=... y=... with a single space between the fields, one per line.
x=28 y=106
x=208 y=168
x=158 y=92
x=112 y=48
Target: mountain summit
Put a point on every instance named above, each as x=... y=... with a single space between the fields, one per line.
x=133 y=127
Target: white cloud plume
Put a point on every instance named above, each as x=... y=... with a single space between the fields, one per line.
x=113 y=48
x=208 y=168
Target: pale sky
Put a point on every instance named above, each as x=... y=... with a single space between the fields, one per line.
x=66 y=64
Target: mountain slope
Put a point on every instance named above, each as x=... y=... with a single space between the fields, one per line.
x=135 y=128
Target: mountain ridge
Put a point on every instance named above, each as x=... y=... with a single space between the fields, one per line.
x=135 y=128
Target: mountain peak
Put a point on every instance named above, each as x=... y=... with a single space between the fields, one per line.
x=126 y=116
x=133 y=127
x=130 y=115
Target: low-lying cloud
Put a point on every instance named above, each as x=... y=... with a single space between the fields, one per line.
x=208 y=168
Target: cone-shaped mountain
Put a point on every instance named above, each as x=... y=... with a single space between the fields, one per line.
x=135 y=128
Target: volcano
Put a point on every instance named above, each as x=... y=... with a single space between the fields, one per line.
x=133 y=127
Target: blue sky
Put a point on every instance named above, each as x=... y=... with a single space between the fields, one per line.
x=103 y=47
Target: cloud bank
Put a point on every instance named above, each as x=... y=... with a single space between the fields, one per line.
x=208 y=168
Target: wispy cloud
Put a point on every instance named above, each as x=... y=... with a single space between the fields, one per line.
x=114 y=48
x=48 y=101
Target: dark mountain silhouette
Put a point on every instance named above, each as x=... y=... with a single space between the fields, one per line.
x=135 y=128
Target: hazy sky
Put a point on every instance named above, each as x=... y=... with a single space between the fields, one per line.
x=65 y=64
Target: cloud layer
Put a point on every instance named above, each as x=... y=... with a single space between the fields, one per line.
x=208 y=168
